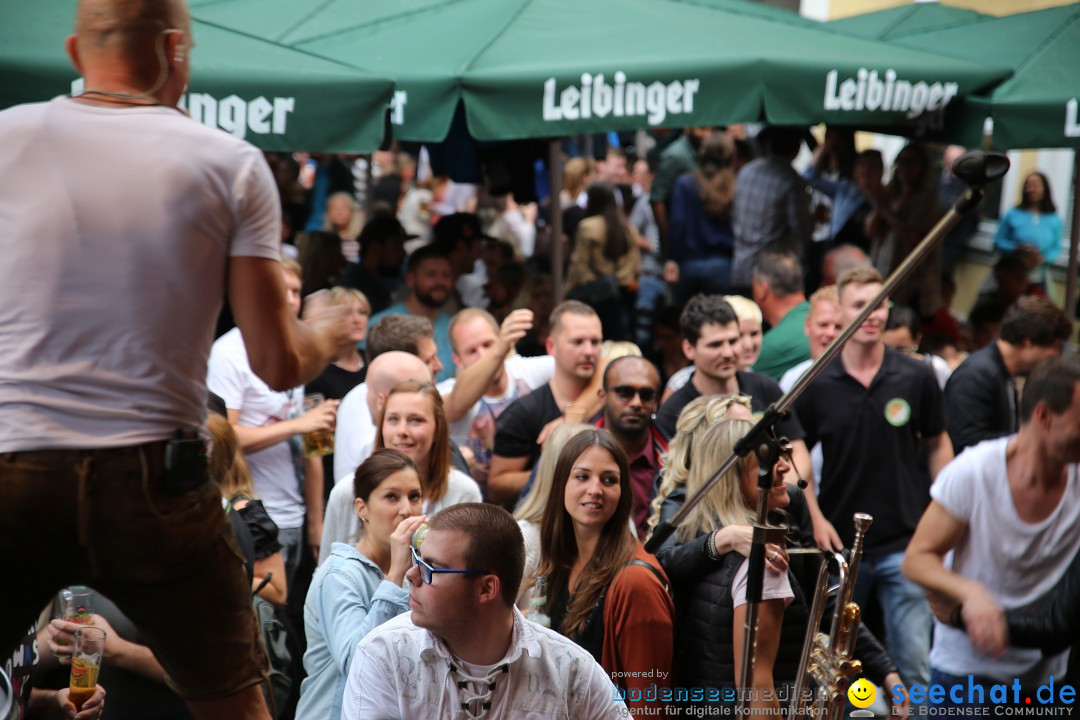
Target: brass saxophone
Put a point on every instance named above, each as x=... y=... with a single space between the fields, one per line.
x=827 y=659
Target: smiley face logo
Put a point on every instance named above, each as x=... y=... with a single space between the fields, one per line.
x=862 y=693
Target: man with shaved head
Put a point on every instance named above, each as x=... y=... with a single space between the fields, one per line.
x=384 y=373
x=107 y=321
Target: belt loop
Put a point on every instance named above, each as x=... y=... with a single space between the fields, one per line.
x=82 y=470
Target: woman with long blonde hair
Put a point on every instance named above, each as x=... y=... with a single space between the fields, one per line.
x=708 y=566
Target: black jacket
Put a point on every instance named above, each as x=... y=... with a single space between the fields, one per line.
x=704 y=613
x=703 y=608
x=980 y=399
x=1052 y=623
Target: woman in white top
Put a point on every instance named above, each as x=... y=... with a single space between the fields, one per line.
x=413 y=422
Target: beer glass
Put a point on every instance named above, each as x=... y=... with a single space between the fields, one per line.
x=320 y=442
x=75 y=604
x=85 y=662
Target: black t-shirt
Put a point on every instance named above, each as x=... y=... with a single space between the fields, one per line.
x=870 y=439
x=520 y=424
x=334 y=383
x=132 y=695
x=763 y=392
x=19 y=666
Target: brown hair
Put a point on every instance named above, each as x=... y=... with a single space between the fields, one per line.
x=559 y=545
x=495 y=546
x=715 y=177
x=434 y=478
x=1035 y=318
x=226 y=464
x=380 y=465
x=1053 y=382
x=398 y=332
x=862 y=275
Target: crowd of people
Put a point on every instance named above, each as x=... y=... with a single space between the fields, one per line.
x=473 y=544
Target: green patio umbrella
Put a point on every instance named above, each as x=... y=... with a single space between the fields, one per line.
x=276 y=97
x=910 y=19
x=1038 y=106
x=548 y=68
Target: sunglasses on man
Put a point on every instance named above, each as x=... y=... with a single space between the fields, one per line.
x=626 y=393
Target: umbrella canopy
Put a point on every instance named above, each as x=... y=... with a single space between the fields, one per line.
x=276 y=97
x=897 y=22
x=544 y=68
x=1037 y=106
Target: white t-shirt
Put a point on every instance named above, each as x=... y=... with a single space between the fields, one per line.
x=117 y=226
x=775 y=586
x=341 y=524
x=354 y=434
x=273 y=470
x=523 y=375
x=1016 y=561
x=817 y=457
x=678 y=379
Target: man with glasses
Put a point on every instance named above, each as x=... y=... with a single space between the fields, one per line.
x=631 y=394
x=465 y=649
x=872 y=408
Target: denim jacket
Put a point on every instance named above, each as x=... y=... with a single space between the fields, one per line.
x=348 y=597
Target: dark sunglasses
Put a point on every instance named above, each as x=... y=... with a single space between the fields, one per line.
x=626 y=393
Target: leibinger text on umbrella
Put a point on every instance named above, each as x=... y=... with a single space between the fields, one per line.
x=868 y=91
x=233 y=114
x=596 y=98
x=1072 y=127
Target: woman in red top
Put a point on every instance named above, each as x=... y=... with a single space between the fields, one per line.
x=605 y=592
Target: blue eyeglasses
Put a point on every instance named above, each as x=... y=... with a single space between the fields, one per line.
x=426 y=571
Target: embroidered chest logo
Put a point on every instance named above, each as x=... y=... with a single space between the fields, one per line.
x=897 y=412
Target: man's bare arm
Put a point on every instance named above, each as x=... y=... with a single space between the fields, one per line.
x=282 y=350
x=924 y=563
x=506 y=479
x=939 y=451
x=472 y=382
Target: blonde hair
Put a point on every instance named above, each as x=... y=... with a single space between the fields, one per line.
x=613 y=349
x=356 y=220
x=699 y=414
x=574 y=173
x=825 y=293
x=724 y=505
x=340 y=293
x=745 y=308
x=290 y=265
x=226 y=465
x=531 y=508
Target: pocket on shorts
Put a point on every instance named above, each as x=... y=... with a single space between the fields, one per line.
x=165 y=506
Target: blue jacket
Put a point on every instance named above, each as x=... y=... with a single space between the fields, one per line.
x=846 y=196
x=348 y=597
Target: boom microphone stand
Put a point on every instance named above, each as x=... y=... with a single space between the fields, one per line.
x=976 y=168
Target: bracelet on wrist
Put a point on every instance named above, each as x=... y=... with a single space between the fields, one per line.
x=710 y=547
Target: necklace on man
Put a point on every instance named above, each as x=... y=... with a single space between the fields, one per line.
x=120 y=98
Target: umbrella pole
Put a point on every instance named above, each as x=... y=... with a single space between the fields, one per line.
x=555 y=222
x=1074 y=240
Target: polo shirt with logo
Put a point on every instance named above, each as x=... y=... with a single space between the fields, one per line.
x=870 y=439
